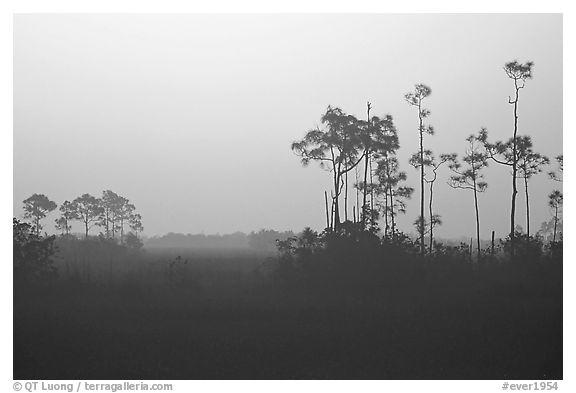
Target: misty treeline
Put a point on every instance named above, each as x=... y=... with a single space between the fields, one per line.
x=263 y=240
x=117 y=218
x=361 y=155
x=111 y=212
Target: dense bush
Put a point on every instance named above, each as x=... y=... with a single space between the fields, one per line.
x=33 y=254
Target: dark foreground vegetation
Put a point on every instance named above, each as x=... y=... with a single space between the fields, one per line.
x=336 y=305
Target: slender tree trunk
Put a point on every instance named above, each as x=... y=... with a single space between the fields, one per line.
x=86 y=225
x=477 y=220
x=107 y=223
x=371 y=190
x=357 y=194
x=332 y=211
x=365 y=188
x=335 y=207
x=37 y=226
x=386 y=228
x=514 y=174
x=492 y=248
x=327 y=215
x=337 y=197
x=431 y=216
x=122 y=230
x=555 y=224
x=513 y=213
x=346 y=197
x=387 y=194
x=366 y=158
x=527 y=207
x=392 y=211
x=422 y=248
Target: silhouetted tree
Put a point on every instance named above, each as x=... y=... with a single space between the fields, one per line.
x=558 y=176
x=389 y=179
x=519 y=73
x=367 y=139
x=508 y=154
x=555 y=200
x=67 y=214
x=337 y=147
x=415 y=99
x=381 y=145
x=111 y=202
x=136 y=223
x=87 y=209
x=530 y=164
x=36 y=208
x=430 y=161
x=470 y=177
x=124 y=214
x=556 y=197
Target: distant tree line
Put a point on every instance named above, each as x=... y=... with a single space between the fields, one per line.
x=263 y=240
x=345 y=143
x=111 y=212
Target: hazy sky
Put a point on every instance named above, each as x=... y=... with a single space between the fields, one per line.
x=191 y=117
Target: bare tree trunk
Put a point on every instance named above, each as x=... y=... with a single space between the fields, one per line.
x=386 y=228
x=431 y=216
x=327 y=215
x=332 y=211
x=527 y=207
x=492 y=248
x=366 y=158
x=365 y=188
x=392 y=211
x=514 y=174
x=107 y=222
x=386 y=208
x=422 y=247
x=513 y=213
x=371 y=190
x=357 y=194
x=346 y=197
x=336 y=219
x=477 y=220
x=555 y=224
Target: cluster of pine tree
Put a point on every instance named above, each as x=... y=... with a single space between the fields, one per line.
x=367 y=151
x=111 y=212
